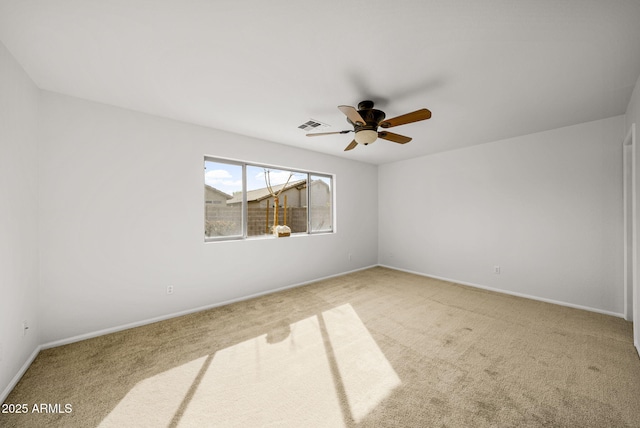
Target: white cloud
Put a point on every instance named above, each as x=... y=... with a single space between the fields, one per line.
x=222 y=180
x=277 y=177
x=225 y=181
x=218 y=174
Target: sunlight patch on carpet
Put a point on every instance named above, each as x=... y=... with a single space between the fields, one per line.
x=325 y=370
x=257 y=383
x=367 y=376
x=155 y=400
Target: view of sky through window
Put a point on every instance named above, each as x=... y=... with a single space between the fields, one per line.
x=228 y=177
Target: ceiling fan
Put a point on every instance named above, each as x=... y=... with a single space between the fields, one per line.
x=366 y=120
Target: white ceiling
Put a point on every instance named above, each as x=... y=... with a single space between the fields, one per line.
x=488 y=69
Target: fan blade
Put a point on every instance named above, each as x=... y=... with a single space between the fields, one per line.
x=396 y=138
x=352 y=145
x=352 y=114
x=415 y=116
x=329 y=133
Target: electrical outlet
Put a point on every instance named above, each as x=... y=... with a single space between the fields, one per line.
x=25 y=328
x=169 y=289
x=496 y=269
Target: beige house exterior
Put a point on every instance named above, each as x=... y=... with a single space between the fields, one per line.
x=213 y=196
x=295 y=192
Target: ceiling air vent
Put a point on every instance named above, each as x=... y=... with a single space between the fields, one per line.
x=312 y=125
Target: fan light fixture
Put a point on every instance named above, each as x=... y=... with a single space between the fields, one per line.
x=366 y=136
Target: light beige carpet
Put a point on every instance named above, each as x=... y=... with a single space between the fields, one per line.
x=376 y=348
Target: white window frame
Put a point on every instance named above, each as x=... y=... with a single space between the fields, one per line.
x=244 y=233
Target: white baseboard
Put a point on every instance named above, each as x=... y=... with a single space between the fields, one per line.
x=140 y=323
x=20 y=373
x=511 y=293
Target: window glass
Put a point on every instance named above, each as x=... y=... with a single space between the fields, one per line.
x=275 y=197
x=320 y=206
x=223 y=199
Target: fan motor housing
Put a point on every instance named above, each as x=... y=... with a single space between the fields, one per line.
x=371 y=116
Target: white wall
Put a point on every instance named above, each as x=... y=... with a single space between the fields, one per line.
x=121 y=217
x=546 y=208
x=633 y=116
x=18 y=223
x=633 y=110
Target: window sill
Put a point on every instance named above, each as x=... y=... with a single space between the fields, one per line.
x=266 y=237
